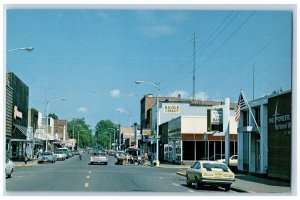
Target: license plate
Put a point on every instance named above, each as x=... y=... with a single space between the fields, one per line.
x=218 y=174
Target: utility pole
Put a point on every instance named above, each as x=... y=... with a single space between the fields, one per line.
x=253 y=81
x=194 y=66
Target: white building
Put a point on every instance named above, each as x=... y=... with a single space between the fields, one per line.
x=266 y=149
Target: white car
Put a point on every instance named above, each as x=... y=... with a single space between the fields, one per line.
x=211 y=173
x=233 y=161
x=60 y=155
x=9 y=167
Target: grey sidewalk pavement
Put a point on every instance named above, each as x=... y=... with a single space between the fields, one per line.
x=22 y=163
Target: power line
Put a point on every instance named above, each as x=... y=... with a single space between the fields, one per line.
x=248 y=60
x=216 y=50
x=185 y=64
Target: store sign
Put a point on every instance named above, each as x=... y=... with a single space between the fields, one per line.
x=214 y=119
x=216 y=116
x=279 y=115
x=17 y=113
x=171 y=108
x=146 y=132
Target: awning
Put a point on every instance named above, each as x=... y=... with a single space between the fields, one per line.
x=38 y=141
x=219 y=134
x=20 y=140
x=22 y=129
x=248 y=129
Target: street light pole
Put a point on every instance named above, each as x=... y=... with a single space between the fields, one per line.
x=22 y=48
x=157 y=116
x=114 y=134
x=78 y=138
x=47 y=111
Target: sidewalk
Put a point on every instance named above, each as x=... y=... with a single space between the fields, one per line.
x=22 y=163
x=254 y=184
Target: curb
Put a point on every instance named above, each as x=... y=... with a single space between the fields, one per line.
x=173 y=167
x=25 y=165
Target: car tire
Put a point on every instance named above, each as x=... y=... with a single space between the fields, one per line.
x=188 y=183
x=198 y=185
x=9 y=175
x=227 y=187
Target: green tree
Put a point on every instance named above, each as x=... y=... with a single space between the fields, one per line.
x=77 y=128
x=52 y=115
x=104 y=133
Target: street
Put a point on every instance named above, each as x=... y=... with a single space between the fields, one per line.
x=74 y=175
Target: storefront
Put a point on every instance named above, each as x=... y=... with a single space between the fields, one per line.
x=189 y=140
x=265 y=143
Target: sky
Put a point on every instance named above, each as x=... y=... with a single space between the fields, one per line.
x=92 y=57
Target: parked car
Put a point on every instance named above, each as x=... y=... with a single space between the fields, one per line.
x=211 y=173
x=118 y=153
x=233 y=161
x=66 y=151
x=9 y=167
x=47 y=157
x=99 y=157
x=60 y=155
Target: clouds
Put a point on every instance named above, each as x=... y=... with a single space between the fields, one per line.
x=185 y=95
x=82 y=109
x=159 y=30
x=202 y=96
x=115 y=93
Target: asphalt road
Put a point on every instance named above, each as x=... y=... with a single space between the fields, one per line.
x=74 y=175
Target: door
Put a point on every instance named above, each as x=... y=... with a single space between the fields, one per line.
x=257 y=156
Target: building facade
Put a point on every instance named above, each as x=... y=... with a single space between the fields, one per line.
x=265 y=146
x=17 y=116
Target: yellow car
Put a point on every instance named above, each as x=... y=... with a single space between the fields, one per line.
x=211 y=173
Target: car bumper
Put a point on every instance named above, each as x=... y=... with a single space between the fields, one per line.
x=217 y=181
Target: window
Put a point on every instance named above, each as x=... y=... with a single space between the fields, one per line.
x=257 y=115
x=245 y=118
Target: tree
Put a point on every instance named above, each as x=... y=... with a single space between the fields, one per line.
x=78 y=128
x=52 y=115
x=104 y=129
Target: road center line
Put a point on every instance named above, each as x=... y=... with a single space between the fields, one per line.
x=87 y=177
x=175 y=184
x=191 y=191
x=86 y=185
x=90 y=172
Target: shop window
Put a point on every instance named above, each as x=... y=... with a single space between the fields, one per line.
x=200 y=145
x=245 y=118
x=188 y=150
x=257 y=115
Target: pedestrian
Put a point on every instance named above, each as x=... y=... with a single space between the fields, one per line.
x=25 y=157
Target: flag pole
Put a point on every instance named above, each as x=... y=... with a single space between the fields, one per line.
x=250 y=111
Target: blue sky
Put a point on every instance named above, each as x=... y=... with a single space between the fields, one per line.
x=93 y=57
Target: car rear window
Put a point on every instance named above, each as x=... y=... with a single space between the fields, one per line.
x=215 y=167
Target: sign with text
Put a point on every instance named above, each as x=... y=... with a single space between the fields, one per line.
x=214 y=119
x=146 y=132
x=171 y=108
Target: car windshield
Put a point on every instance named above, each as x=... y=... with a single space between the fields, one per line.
x=46 y=153
x=215 y=167
x=59 y=152
x=99 y=154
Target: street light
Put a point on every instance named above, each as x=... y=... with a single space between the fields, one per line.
x=47 y=111
x=109 y=139
x=78 y=138
x=157 y=114
x=22 y=48
x=114 y=133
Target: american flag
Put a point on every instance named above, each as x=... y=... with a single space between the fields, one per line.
x=241 y=103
